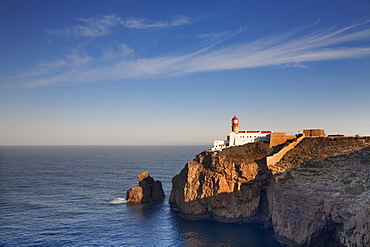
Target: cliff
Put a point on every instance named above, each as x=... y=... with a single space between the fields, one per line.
x=325 y=195
x=226 y=186
x=322 y=197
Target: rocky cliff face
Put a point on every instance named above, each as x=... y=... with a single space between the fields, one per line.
x=325 y=201
x=227 y=186
x=322 y=198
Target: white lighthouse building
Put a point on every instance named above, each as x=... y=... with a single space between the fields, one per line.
x=236 y=137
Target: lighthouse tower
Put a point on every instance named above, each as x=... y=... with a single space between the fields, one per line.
x=235 y=125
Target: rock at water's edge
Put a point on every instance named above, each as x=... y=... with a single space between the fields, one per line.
x=147 y=191
x=216 y=185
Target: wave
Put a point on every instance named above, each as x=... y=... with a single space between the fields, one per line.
x=118 y=201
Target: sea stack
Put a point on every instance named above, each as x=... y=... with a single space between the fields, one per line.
x=147 y=191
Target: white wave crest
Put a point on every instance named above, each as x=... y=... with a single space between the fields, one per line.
x=118 y=201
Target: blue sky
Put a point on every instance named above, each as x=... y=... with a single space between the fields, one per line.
x=175 y=72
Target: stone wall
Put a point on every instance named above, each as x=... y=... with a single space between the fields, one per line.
x=272 y=160
x=314 y=133
x=279 y=138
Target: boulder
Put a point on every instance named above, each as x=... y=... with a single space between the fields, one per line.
x=147 y=191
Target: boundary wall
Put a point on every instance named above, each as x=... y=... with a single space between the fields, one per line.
x=273 y=159
x=279 y=138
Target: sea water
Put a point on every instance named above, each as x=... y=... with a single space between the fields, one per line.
x=75 y=196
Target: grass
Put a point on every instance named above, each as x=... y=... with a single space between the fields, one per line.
x=248 y=152
x=356 y=190
x=321 y=148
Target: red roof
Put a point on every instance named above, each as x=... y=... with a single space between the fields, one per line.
x=256 y=131
x=235 y=118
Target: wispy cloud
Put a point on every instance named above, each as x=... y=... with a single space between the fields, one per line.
x=210 y=40
x=100 y=26
x=212 y=35
x=113 y=53
x=142 y=23
x=120 y=63
x=90 y=27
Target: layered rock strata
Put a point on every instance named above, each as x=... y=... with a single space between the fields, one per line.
x=147 y=191
x=325 y=201
x=228 y=186
x=321 y=199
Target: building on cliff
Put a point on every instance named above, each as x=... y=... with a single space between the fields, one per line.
x=314 y=133
x=237 y=137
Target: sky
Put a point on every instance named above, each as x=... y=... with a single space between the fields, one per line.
x=145 y=72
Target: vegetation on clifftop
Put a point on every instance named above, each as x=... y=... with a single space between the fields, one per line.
x=320 y=148
x=345 y=162
x=248 y=152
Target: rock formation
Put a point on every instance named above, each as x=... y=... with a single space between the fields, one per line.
x=147 y=191
x=322 y=197
x=228 y=186
x=327 y=198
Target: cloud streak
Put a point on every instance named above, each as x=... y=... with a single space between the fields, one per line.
x=89 y=27
x=135 y=23
x=292 y=49
x=100 y=26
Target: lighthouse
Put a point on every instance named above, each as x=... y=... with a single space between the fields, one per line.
x=235 y=125
x=240 y=137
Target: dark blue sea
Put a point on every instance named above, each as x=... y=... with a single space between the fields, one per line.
x=74 y=196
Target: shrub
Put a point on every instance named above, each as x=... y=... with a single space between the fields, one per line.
x=358 y=189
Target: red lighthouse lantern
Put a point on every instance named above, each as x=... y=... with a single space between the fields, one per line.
x=235 y=124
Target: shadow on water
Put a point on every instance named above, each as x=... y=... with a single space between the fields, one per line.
x=145 y=211
x=213 y=233
x=201 y=233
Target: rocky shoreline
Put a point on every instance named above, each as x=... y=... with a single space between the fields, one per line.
x=322 y=197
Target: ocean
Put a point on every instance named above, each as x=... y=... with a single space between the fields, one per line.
x=75 y=196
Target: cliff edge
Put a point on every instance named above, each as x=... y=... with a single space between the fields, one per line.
x=227 y=186
x=318 y=194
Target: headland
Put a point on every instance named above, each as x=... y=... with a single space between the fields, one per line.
x=313 y=190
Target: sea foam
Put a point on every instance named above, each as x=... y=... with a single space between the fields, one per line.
x=118 y=201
